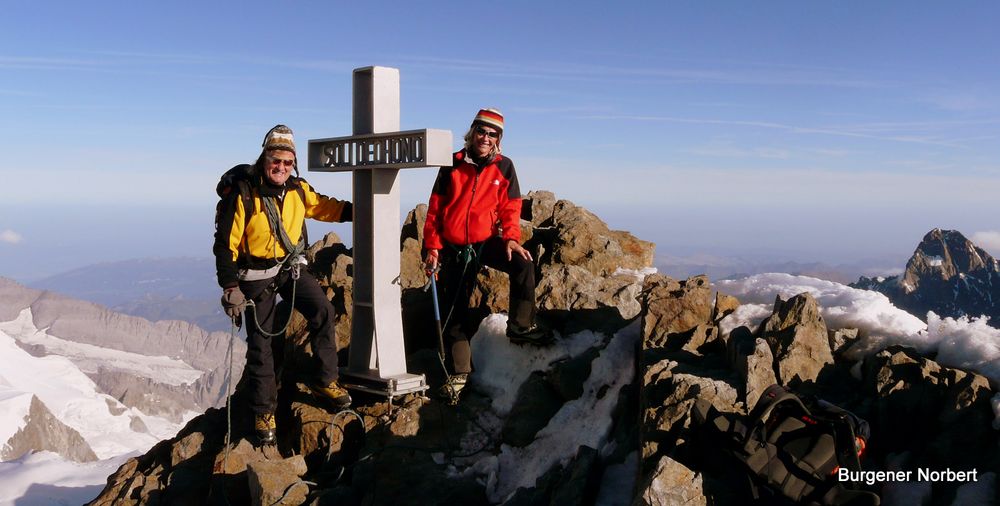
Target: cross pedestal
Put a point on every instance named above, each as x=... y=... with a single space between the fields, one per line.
x=375 y=154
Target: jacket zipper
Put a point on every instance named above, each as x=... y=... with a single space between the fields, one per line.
x=468 y=214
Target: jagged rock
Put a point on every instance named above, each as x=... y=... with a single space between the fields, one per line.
x=724 y=305
x=274 y=483
x=314 y=432
x=796 y=333
x=331 y=262
x=947 y=410
x=599 y=303
x=411 y=272
x=759 y=372
x=186 y=448
x=582 y=239
x=842 y=339
x=669 y=390
x=42 y=431
x=754 y=364
x=740 y=344
x=947 y=274
x=671 y=484
x=672 y=307
x=537 y=208
x=230 y=469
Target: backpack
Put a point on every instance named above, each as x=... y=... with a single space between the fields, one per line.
x=793 y=447
x=240 y=179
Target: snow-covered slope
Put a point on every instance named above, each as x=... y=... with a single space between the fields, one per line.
x=109 y=427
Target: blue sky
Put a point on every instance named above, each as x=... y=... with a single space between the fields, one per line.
x=830 y=131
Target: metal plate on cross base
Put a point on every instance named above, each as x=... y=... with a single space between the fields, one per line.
x=392 y=386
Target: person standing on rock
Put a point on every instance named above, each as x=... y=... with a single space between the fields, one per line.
x=259 y=241
x=473 y=219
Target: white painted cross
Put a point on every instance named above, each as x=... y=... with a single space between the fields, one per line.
x=374 y=154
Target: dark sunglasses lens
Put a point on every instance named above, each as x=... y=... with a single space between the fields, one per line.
x=492 y=135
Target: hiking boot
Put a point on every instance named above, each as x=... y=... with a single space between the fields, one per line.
x=452 y=389
x=265 y=427
x=336 y=394
x=535 y=334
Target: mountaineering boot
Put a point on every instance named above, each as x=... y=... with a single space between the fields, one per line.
x=452 y=389
x=336 y=394
x=265 y=427
x=535 y=334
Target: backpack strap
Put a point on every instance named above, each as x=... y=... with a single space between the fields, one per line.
x=302 y=197
x=246 y=195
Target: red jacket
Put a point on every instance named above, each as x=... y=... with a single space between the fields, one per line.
x=470 y=204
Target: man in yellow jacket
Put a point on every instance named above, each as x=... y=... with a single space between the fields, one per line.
x=259 y=240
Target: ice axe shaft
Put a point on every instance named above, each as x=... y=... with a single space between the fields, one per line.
x=437 y=313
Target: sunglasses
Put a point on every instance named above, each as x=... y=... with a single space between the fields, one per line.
x=279 y=161
x=491 y=135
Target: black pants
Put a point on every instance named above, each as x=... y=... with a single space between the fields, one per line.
x=457 y=281
x=262 y=351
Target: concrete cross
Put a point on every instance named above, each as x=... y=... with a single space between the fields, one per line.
x=374 y=154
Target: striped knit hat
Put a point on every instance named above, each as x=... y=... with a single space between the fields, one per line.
x=279 y=137
x=491 y=118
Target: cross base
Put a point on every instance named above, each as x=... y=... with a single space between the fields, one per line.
x=393 y=386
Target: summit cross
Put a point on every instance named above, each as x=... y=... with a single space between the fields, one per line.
x=375 y=154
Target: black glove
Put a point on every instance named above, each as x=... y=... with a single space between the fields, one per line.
x=233 y=302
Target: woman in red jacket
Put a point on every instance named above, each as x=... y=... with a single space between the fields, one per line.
x=473 y=219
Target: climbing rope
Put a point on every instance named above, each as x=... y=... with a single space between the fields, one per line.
x=229 y=395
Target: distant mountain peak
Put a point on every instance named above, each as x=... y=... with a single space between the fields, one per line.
x=947 y=274
x=942 y=255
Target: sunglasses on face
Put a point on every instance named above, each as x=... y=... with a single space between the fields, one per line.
x=279 y=161
x=491 y=135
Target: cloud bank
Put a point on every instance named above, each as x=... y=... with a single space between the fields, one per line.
x=10 y=237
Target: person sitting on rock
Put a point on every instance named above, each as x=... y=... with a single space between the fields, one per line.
x=473 y=219
x=259 y=240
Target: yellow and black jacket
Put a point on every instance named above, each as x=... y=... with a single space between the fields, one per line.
x=243 y=238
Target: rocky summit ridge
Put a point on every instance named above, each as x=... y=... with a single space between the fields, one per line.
x=946 y=274
x=603 y=416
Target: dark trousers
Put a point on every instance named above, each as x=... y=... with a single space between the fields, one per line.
x=263 y=352
x=457 y=281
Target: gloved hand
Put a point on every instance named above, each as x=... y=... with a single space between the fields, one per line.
x=431 y=261
x=233 y=302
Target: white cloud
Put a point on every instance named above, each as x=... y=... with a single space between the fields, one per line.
x=989 y=240
x=10 y=237
x=967 y=343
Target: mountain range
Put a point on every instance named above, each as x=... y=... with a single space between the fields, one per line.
x=89 y=383
x=175 y=288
